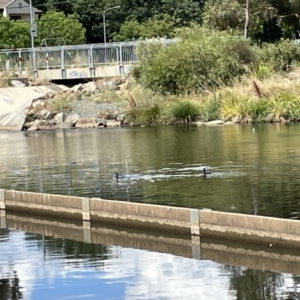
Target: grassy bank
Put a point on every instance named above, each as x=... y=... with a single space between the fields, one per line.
x=206 y=75
x=274 y=99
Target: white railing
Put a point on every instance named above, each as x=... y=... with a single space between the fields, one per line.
x=63 y=57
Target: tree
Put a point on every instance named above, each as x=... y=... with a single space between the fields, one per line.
x=182 y=12
x=55 y=25
x=14 y=34
x=153 y=27
x=266 y=20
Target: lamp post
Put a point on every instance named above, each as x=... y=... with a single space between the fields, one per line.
x=104 y=27
x=32 y=35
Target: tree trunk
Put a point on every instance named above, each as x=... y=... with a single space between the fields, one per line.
x=246 y=28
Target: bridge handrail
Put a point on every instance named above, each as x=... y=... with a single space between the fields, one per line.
x=87 y=46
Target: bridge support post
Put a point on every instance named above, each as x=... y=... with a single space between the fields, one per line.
x=2 y=201
x=62 y=62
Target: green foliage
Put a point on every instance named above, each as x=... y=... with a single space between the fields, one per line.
x=265 y=17
x=210 y=109
x=14 y=34
x=263 y=70
x=201 y=58
x=280 y=56
x=61 y=104
x=242 y=108
x=185 y=110
x=144 y=114
x=284 y=107
x=56 y=25
x=153 y=27
x=182 y=12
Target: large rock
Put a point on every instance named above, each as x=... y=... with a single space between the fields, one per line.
x=39 y=103
x=112 y=123
x=109 y=85
x=32 y=126
x=216 y=122
x=77 y=88
x=89 y=88
x=71 y=120
x=86 y=123
x=49 y=115
x=60 y=118
x=17 y=83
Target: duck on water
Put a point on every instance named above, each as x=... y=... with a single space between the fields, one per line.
x=205 y=172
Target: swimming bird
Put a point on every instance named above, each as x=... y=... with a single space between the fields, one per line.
x=119 y=176
x=205 y=172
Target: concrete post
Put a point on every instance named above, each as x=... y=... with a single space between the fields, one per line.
x=2 y=201
x=87 y=232
x=2 y=219
x=62 y=63
x=91 y=62
x=86 y=216
x=195 y=223
x=196 y=247
x=195 y=233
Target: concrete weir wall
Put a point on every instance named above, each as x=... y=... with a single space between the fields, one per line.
x=148 y=217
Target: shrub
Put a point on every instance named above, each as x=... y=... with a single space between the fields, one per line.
x=284 y=107
x=280 y=56
x=201 y=58
x=242 y=108
x=61 y=104
x=210 y=108
x=185 y=110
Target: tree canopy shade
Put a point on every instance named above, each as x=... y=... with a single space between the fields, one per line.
x=269 y=20
x=56 y=25
x=153 y=27
x=13 y=34
x=182 y=12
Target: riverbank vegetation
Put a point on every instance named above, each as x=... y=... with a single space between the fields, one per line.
x=209 y=74
x=232 y=60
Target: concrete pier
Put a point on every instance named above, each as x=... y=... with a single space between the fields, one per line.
x=189 y=222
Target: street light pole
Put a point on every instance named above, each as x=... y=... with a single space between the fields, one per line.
x=104 y=27
x=32 y=37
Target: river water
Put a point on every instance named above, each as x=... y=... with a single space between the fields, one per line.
x=254 y=170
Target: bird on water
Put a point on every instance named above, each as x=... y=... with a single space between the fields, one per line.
x=205 y=172
x=119 y=176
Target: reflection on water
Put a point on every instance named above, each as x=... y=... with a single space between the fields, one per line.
x=251 y=172
x=34 y=267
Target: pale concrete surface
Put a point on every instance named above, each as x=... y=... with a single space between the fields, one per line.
x=15 y=100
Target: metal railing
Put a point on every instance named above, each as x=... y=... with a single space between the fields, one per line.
x=64 y=57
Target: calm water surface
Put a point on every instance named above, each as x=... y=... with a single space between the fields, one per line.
x=38 y=268
x=252 y=172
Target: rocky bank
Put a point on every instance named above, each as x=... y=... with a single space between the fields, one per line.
x=77 y=107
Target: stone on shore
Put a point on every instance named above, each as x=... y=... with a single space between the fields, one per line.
x=215 y=122
x=71 y=120
x=86 y=123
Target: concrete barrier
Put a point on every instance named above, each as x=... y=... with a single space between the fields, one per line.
x=226 y=252
x=192 y=222
x=142 y=215
x=250 y=228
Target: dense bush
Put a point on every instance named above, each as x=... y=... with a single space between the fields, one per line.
x=280 y=56
x=200 y=59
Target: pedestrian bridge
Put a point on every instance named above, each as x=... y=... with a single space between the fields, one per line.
x=73 y=62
